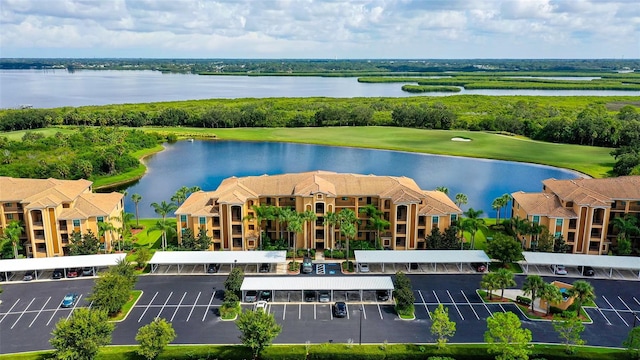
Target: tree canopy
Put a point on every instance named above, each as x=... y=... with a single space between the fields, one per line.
x=82 y=335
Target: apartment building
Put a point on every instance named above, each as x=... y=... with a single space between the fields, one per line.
x=50 y=210
x=581 y=210
x=228 y=214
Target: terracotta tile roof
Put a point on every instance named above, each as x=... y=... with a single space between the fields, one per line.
x=543 y=204
x=238 y=190
x=599 y=192
x=16 y=189
x=438 y=203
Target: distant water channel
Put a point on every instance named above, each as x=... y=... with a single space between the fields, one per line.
x=207 y=163
x=57 y=88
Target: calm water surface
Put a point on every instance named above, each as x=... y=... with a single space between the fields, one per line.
x=207 y=163
x=57 y=88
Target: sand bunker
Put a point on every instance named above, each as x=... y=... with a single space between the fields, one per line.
x=459 y=139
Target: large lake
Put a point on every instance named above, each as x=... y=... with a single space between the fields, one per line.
x=56 y=88
x=207 y=163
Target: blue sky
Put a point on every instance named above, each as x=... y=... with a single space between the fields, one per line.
x=427 y=29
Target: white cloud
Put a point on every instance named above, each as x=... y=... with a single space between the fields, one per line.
x=322 y=28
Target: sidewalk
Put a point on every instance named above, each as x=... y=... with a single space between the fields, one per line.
x=513 y=293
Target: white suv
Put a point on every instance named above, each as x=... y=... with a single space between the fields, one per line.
x=260 y=305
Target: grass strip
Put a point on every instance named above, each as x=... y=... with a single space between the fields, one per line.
x=126 y=308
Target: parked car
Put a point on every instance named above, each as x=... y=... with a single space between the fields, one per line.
x=588 y=271
x=28 y=276
x=560 y=270
x=324 y=297
x=265 y=295
x=382 y=295
x=69 y=300
x=212 y=268
x=340 y=309
x=4 y=276
x=479 y=267
x=265 y=268
x=260 y=305
x=251 y=296
x=87 y=271
x=57 y=274
x=309 y=296
x=364 y=267
x=413 y=266
x=71 y=273
x=307 y=265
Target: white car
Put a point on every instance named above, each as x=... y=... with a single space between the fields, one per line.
x=364 y=267
x=560 y=270
x=260 y=305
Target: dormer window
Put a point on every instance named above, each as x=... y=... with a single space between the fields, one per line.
x=569 y=203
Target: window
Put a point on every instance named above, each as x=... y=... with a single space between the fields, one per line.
x=536 y=219
x=569 y=203
x=76 y=223
x=9 y=216
x=319 y=196
x=344 y=198
x=183 y=218
x=100 y=219
x=454 y=217
x=558 y=222
x=203 y=221
x=558 y=234
x=434 y=220
x=8 y=205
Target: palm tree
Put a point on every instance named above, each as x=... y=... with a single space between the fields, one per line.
x=136 y=198
x=125 y=230
x=583 y=292
x=294 y=224
x=164 y=208
x=551 y=294
x=473 y=222
x=627 y=226
x=497 y=205
x=308 y=217
x=504 y=200
x=443 y=189
x=180 y=195
x=103 y=227
x=461 y=199
x=13 y=231
x=520 y=226
x=261 y=213
x=505 y=279
x=376 y=221
x=166 y=227
x=331 y=219
x=532 y=285
x=348 y=216
x=490 y=282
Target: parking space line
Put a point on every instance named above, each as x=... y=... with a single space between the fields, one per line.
x=25 y=309
x=330 y=312
x=425 y=304
x=364 y=312
x=208 y=306
x=636 y=300
x=194 y=305
x=601 y=313
x=300 y=311
x=436 y=295
x=625 y=304
x=471 y=306
x=14 y=305
x=454 y=304
x=487 y=308
x=147 y=308
x=347 y=307
x=503 y=310
x=53 y=315
x=380 y=312
x=178 y=307
x=74 y=306
x=39 y=312
x=616 y=311
x=284 y=311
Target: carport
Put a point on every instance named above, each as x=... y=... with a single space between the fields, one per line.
x=62 y=262
x=317 y=283
x=181 y=258
x=597 y=261
x=435 y=257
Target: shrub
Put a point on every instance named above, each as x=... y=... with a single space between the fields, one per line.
x=294 y=265
x=348 y=266
x=523 y=300
x=555 y=310
x=335 y=254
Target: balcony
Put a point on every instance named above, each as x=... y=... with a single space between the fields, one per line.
x=37 y=224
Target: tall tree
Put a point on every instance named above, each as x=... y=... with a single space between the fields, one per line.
x=504 y=248
x=136 y=198
x=331 y=219
x=461 y=199
x=569 y=328
x=490 y=282
x=87 y=244
x=164 y=208
x=82 y=335
x=533 y=284
x=203 y=241
x=473 y=222
x=583 y=292
x=348 y=227
x=13 y=231
x=308 y=217
x=505 y=279
x=261 y=213
x=506 y=337
x=376 y=220
x=442 y=327
x=154 y=337
x=551 y=294
x=443 y=189
x=626 y=226
x=258 y=330
x=520 y=226
x=632 y=342
x=103 y=228
x=166 y=227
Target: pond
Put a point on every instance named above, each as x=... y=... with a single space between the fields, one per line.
x=207 y=163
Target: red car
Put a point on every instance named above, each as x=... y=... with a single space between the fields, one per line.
x=479 y=267
x=71 y=273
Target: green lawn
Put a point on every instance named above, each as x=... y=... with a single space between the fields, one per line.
x=152 y=240
x=135 y=295
x=594 y=161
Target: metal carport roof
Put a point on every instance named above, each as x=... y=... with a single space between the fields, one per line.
x=98 y=260
x=280 y=283
x=217 y=257
x=599 y=261
x=421 y=256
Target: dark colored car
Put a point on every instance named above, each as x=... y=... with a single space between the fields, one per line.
x=265 y=268
x=212 y=269
x=382 y=295
x=265 y=295
x=307 y=265
x=251 y=296
x=28 y=276
x=309 y=296
x=71 y=273
x=413 y=266
x=588 y=271
x=479 y=267
x=57 y=274
x=5 y=276
x=69 y=300
x=340 y=309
